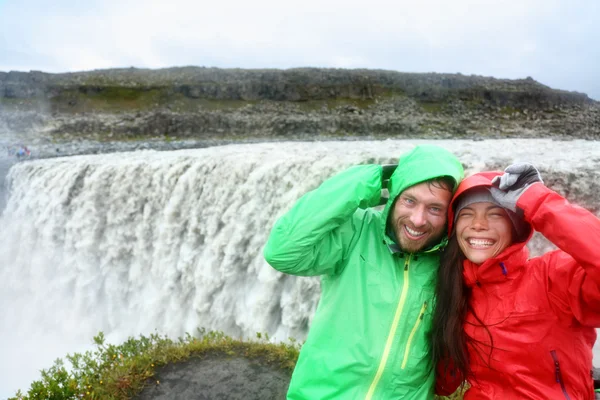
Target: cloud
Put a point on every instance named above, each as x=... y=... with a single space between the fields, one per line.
x=552 y=40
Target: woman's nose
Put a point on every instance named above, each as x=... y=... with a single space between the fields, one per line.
x=479 y=223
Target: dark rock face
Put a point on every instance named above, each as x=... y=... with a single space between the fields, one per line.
x=217 y=377
x=309 y=103
x=300 y=84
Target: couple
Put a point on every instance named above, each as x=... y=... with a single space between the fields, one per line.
x=437 y=290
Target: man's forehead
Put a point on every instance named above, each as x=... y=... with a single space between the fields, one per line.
x=428 y=191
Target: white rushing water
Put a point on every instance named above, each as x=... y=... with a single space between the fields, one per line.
x=135 y=243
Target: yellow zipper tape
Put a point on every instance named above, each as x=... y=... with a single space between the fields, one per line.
x=412 y=334
x=390 y=339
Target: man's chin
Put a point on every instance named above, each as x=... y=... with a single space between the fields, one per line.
x=415 y=246
x=412 y=246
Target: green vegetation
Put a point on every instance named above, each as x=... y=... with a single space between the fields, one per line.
x=105 y=99
x=509 y=110
x=114 y=99
x=332 y=104
x=28 y=104
x=120 y=372
x=432 y=107
x=101 y=96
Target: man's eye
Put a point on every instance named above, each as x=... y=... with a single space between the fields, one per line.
x=436 y=210
x=409 y=201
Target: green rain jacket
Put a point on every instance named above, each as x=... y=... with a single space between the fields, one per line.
x=369 y=335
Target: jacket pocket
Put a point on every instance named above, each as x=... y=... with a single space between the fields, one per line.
x=558 y=374
x=381 y=291
x=414 y=330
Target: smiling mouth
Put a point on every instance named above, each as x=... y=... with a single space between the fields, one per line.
x=414 y=234
x=481 y=243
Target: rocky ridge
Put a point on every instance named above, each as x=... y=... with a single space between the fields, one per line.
x=210 y=104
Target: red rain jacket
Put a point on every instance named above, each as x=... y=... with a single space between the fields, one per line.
x=540 y=312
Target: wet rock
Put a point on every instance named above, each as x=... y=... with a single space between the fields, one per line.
x=217 y=377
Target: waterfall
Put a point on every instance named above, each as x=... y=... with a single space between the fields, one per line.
x=148 y=241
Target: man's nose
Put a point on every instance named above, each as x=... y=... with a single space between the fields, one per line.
x=418 y=217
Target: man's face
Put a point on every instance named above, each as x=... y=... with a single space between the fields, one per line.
x=419 y=216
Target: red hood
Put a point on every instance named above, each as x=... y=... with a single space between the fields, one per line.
x=481 y=179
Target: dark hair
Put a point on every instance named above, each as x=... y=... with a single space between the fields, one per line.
x=449 y=339
x=442 y=182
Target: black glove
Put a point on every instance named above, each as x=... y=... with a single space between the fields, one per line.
x=517 y=178
x=386 y=173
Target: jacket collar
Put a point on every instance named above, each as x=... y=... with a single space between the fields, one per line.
x=507 y=265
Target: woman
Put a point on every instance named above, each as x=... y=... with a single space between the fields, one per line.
x=510 y=326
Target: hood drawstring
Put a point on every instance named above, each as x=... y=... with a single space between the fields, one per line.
x=504 y=270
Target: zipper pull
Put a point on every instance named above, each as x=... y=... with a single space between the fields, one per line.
x=423 y=312
x=504 y=270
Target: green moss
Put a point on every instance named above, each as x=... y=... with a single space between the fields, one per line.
x=432 y=108
x=217 y=105
x=27 y=104
x=102 y=96
x=332 y=104
x=121 y=94
x=109 y=99
x=473 y=103
x=508 y=110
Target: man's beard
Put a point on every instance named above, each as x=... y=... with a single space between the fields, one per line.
x=413 y=246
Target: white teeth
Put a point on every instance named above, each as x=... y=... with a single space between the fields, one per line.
x=413 y=232
x=481 y=242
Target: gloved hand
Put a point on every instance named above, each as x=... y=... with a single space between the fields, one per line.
x=386 y=173
x=517 y=178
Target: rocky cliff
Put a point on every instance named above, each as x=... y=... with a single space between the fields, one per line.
x=234 y=104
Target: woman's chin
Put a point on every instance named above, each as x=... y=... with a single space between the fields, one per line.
x=478 y=257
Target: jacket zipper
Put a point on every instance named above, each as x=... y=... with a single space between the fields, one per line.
x=558 y=374
x=412 y=334
x=392 y=333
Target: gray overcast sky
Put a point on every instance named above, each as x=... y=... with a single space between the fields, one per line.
x=557 y=42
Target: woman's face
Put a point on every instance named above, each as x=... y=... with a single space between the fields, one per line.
x=483 y=230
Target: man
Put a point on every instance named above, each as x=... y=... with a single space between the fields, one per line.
x=369 y=338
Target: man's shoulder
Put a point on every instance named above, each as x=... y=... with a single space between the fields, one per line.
x=369 y=216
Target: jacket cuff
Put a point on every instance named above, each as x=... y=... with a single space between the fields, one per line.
x=532 y=197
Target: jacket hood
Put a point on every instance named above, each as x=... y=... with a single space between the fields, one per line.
x=479 y=180
x=423 y=163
